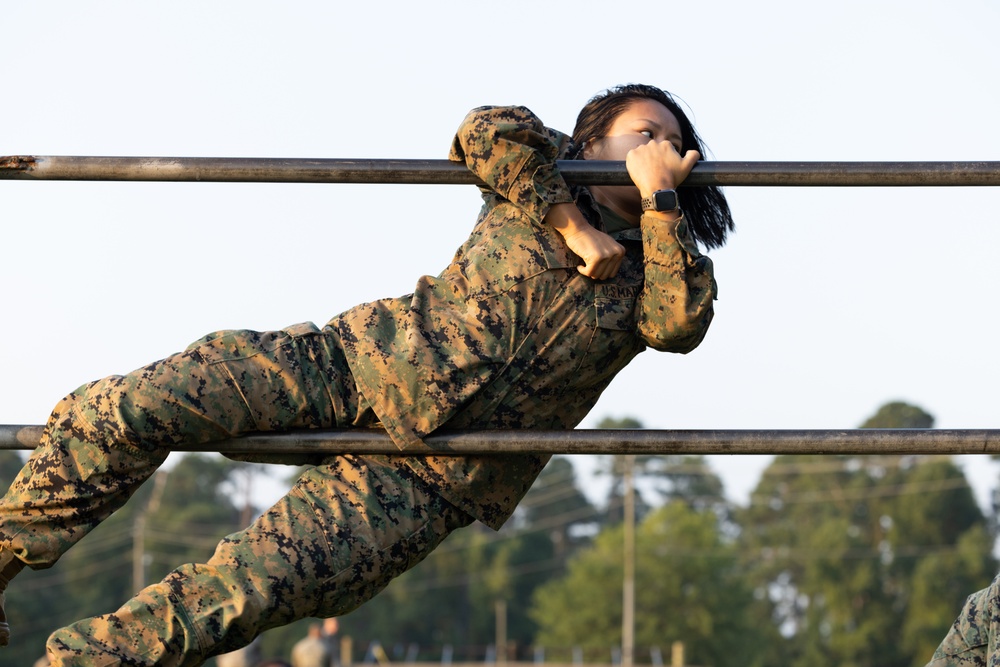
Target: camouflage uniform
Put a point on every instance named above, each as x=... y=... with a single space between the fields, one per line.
x=974 y=639
x=510 y=335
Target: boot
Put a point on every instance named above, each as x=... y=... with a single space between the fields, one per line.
x=9 y=567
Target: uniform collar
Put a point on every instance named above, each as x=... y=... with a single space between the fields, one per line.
x=618 y=227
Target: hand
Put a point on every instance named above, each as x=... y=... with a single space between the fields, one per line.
x=658 y=166
x=601 y=254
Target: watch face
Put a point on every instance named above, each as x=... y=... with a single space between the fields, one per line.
x=664 y=200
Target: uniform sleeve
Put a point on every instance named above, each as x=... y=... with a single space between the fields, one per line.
x=510 y=150
x=677 y=298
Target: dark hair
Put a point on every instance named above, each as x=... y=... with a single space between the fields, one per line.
x=705 y=207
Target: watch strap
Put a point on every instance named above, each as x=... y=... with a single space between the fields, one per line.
x=661 y=201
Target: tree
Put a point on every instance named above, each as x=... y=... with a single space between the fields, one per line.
x=898 y=414
x=840 y=547
x=556 y=506
x=669 y=477
x=10 y=465
x=95 y=576
x=475 y=568
x=688 y=587
x=941 y=582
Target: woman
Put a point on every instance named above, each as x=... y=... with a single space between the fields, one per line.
x=554 y=292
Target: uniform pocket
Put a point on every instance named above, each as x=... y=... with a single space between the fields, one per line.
x=615 y=306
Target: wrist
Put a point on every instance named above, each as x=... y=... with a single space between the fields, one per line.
x=661 y=201
x=566 y=219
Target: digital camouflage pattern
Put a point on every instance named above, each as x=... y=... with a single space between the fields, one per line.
x=510 y=335
x=343 y=532
x=108 y=437
x=973 y=639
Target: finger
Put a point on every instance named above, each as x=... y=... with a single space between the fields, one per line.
x=613 y=265
x=597 y=270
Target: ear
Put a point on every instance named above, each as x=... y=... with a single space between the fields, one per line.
x=589 y=150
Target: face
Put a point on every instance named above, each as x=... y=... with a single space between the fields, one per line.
x=640 y=122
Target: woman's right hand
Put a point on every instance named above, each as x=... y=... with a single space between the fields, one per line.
x=602 y=256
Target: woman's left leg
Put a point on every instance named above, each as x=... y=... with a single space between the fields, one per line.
x=105 y=439
x=341 y=534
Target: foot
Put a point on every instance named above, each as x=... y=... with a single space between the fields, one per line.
x=7 y=571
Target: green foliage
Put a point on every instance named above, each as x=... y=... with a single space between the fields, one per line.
x=688 y=587
x=668 y=477
x=858 y=561
x=96 y=576
x=941 y=582
x=10 y=464
x=898 y=414
x=474 y=569
x=840 y=546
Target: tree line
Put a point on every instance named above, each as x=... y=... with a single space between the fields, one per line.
x=836 y=560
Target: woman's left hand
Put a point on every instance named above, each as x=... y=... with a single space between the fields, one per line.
x=658 y=166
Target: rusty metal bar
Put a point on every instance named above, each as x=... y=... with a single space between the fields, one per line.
x=600 y=441
x=443 y=172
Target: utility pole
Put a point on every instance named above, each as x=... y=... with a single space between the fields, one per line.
x=628 y=584
x=139 y=532
x=501 y=631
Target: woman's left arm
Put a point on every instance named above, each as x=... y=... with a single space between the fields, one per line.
x=679 y=287
x=677 y=298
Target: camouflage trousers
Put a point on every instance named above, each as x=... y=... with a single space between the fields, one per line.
x=974 y=639
x=338 y=537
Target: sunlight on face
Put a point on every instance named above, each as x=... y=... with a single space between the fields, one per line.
x=642 y=121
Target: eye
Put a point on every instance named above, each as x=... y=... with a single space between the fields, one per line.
x=646 y=133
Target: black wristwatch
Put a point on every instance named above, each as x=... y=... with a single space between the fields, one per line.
x=661 y=201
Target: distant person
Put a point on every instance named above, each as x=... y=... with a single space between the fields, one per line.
x=311 y=650
x=331 y=626
x=554 y=292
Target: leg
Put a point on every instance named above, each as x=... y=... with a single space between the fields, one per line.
x=974 y=639
x=340 y=535
x=107 y=438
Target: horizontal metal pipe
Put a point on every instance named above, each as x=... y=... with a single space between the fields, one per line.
x=586 y=172
x=600 y=441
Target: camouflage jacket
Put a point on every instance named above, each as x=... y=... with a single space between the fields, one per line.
x=510 y=334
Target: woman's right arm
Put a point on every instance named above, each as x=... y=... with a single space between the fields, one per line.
x=511 y=151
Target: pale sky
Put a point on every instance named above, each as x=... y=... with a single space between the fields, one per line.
x=832 y=300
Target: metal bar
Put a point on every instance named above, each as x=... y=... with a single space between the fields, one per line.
x=599 y=441
x=444 y=172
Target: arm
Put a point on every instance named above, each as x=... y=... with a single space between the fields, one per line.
x=677 y=298
x=510 y=150
x=676 y=302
